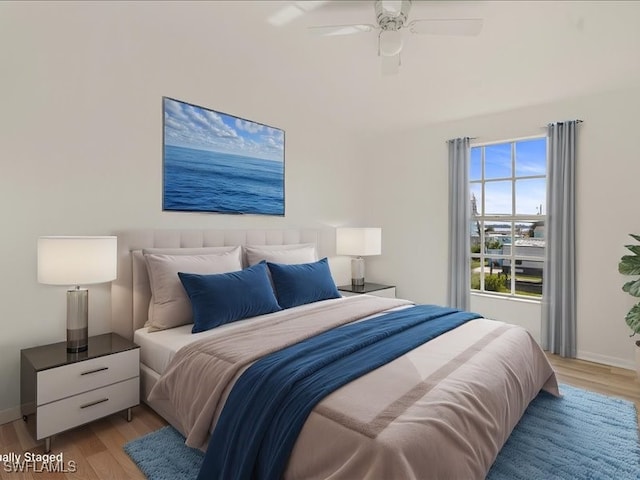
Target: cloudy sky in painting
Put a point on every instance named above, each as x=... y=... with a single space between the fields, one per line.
x=194 y=127
x=530 y=160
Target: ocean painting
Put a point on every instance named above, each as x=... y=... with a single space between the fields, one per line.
x=214 y=162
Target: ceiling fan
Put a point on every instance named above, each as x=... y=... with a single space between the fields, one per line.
x=392 y=17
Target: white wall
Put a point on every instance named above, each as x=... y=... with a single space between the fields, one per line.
x=407 y=197
x=81 y=147
x=81 y=133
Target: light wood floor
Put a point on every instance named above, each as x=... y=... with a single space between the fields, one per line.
x=97 y=448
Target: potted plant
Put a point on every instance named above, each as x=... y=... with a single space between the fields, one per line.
x=630 y=265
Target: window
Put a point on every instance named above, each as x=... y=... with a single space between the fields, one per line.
x=507 y=184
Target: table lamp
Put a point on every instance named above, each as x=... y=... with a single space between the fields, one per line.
x=76 y=261
x=358 y=242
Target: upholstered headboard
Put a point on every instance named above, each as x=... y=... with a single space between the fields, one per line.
x=130 y=292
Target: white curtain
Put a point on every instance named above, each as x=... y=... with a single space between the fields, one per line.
x=559 y=286
x=459 y=215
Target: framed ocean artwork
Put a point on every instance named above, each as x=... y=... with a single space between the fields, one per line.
x=215 y=162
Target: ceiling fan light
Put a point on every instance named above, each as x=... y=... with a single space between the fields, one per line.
x=391 y=7
x=390 y=42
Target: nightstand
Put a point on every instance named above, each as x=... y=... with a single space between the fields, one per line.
x=60 y=390
x=376 y=289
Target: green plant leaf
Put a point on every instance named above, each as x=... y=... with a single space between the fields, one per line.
x=633 y=318
x=634 y=248
x=635 y=237
x=632 y=288
x=629 y=265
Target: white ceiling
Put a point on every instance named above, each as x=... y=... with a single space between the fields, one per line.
x=527 y=53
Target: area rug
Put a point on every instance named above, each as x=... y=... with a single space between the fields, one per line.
x=583 y=435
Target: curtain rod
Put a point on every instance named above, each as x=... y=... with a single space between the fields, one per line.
x=577 y=120
x=453 y=139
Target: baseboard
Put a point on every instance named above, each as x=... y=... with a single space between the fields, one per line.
x=606 y=360
x=10 y=414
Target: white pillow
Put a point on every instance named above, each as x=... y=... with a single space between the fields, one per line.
x=190 y=250
x=287 y=254
x=170 y=306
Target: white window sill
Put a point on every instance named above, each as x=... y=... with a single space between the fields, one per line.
x=510 y=298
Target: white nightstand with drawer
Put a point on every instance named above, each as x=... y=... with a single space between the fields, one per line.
x=376 y=289
x=60 y=390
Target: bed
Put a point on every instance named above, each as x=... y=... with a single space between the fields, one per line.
x=442 y=410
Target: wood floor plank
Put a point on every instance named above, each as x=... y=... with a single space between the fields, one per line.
x=151 y=420
x=88 y=442
x=84 y=470
x=8 y=435
x=114 y=441
x=106 y=466
x=16 y=475
x=138 y=426
x=127 y=430
x=27 y=442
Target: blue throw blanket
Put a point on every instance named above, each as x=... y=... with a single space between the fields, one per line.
x=272 y=399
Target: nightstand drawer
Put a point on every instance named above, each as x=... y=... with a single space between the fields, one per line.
x=61 y=382
x=86 y=407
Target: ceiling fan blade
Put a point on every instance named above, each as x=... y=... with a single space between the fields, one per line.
x=453 y=26
x=390 y=65
x=293 y=10
x=335 y=30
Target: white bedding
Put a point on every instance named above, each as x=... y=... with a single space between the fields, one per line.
x=158 y=348
x=443 y=410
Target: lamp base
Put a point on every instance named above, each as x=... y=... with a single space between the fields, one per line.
x=357 y=271
x=77 y=340
x=77 y=320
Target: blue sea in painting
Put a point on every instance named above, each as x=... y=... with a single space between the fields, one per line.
x=207 y=181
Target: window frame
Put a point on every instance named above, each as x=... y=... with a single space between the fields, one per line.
x=512 y=219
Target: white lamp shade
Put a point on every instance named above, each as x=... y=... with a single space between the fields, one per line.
x=77 y=260
x=359 y=241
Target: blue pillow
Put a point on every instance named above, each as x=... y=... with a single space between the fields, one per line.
x=226 y=297
x=303 y=283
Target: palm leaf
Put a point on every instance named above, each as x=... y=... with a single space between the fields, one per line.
x=632 y=288
x=635 y=237
x=634 y=248
x=629 y=265
x=633 y=318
